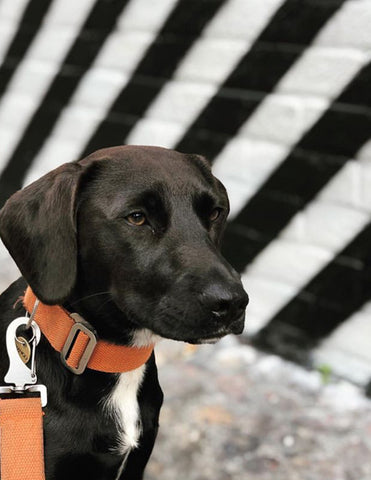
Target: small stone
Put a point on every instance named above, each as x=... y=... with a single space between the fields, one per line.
x=288 y=441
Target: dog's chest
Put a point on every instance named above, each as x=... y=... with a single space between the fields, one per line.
x=122 y=405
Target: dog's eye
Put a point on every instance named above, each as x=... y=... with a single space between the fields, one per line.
x=215 y=214
x=137 y=218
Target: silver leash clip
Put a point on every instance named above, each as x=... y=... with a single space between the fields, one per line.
x=20 y=377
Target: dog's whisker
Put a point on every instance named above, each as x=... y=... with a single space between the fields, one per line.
x=103 y=304
x=90 y=296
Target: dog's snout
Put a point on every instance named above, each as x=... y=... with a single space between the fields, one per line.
x=225 y=302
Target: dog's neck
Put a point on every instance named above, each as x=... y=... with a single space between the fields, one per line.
x=78 y=342
x=110 y=323
x=108 y=320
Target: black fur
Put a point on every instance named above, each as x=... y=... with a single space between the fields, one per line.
x=71 y=237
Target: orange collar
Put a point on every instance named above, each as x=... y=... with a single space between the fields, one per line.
x=78 y=344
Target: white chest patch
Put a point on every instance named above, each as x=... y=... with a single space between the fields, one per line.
x=123 y=406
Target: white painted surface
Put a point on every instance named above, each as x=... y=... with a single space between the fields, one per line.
x=206 y=61
x=99 y=88
x=339 y=51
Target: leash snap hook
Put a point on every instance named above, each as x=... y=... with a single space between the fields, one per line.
x=21 y=378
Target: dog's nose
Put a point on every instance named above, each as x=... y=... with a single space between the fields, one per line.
x=225 y=302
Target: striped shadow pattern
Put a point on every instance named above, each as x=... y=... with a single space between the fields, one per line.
x=29 y=24
x=97 y=26
x=275 y=93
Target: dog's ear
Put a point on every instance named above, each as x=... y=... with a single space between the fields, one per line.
x=37 y=225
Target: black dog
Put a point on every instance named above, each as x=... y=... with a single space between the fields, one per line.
x=129 y=239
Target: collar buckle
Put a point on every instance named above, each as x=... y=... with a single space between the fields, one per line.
x=79 y=346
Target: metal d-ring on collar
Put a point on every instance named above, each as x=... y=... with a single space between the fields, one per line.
x=33 y=313
x=29 y=324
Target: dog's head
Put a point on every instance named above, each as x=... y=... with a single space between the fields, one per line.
x=132 y=235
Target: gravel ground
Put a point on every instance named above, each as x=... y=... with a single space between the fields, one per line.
x=231 y=412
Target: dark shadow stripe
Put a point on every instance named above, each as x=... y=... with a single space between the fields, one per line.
x=95 y=30
x=328 y=300
x=280 y=44
x=179 y=32
x=368 y=389
x=28 y=27
x=321 y=153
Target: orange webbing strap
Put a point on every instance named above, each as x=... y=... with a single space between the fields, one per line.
x=21 y=439
x=55 y=323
